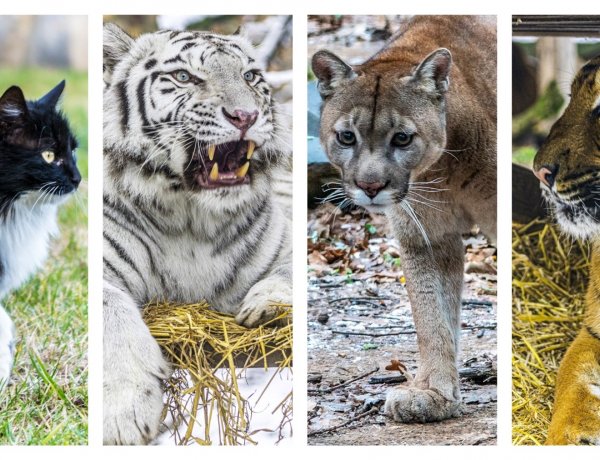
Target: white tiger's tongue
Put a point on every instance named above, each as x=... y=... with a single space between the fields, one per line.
x=239 y=173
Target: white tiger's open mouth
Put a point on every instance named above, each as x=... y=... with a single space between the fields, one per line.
x=224 y=165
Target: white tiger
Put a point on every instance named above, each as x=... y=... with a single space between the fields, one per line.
x=191 y=143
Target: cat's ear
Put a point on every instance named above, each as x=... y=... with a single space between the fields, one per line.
x=49 y=101
x=13 y=105
x=433 y=72
x=330 y=71
x=117 y=43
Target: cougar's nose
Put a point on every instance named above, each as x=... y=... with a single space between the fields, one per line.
x=547 y=174
x=371 y=189
x=241 y=119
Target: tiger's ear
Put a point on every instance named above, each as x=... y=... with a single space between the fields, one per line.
x=13 y=106
x=117 y=43
x=239 y=31
x=433 y=72
x=330 y=70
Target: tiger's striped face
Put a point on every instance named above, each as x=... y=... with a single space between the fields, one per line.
x=199 y=99
x=569 y=160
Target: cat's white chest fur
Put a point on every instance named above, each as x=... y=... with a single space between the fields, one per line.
x=24 y=240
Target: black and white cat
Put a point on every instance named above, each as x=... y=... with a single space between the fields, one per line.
x=38 y=172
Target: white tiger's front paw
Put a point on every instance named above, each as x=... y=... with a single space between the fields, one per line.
x=133 y=400
x=261 y=303
x=7 y=347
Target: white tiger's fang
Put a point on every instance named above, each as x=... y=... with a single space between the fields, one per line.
x=214 y=173
x=250 y=150
x=242 y=170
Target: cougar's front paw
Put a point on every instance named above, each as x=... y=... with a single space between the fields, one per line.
x=133 y=401
x=261 y=303
x=7 y=347
x=411 y=404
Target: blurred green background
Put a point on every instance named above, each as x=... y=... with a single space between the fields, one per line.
x=543 y=68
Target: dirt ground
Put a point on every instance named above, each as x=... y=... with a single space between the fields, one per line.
x=359 y=319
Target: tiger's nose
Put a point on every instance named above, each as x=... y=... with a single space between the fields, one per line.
x=241 y=119
x=371 y=189
x=547 y=174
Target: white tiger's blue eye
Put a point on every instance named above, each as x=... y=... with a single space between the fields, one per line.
x=249 y=76
x=182 y=76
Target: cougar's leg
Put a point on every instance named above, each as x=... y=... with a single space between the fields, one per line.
x=434 y=278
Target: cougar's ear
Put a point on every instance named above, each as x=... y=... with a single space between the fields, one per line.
x=433 y=72
x=117 y=43
x=330 y=70
x=13 y=106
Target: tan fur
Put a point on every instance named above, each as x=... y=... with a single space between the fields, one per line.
x=436 y=80
x=573 y=147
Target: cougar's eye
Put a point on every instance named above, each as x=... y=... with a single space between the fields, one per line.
x=48 y=156
x=346 y=138
x=401 y=139
x=182 y=76
x=250 y=76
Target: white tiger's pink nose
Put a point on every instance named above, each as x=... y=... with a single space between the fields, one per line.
x=241 y=119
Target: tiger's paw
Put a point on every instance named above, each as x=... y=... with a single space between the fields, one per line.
x=416 y=405
x=264 y=302
x=576 y=414
x=133 y=399
x=574 y=434
x=576 y=418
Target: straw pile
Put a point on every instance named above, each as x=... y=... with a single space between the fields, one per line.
x=210 y=352
x=550 y=274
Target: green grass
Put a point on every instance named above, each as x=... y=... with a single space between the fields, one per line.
x=46 y=403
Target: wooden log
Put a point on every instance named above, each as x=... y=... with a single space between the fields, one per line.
x=556 y=25
x=527 y=201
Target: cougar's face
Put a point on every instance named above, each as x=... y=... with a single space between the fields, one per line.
x=382 y=127
x=380 y=134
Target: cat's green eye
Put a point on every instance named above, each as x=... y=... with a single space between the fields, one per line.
x=346 y=138
x=183 y=76
x=48 y=156
x=401 y=139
